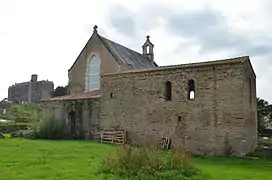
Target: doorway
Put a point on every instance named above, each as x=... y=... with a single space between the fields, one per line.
x=72 y=119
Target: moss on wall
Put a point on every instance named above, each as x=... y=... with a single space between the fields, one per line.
x=64 y=108
x=77 y=106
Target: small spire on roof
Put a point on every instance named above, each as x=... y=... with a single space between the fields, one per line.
x=95 y=28
x=148 y=48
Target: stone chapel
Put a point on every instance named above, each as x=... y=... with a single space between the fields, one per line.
x=206 y=107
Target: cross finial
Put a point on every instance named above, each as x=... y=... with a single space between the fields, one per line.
x=147 y=37
x=95 y=28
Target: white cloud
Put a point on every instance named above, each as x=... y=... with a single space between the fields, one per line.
x=45 y=37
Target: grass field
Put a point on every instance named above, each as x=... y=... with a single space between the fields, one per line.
x=79 y=160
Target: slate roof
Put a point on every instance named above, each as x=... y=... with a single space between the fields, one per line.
x=76 y=96
x=124 y=56
x=128 y=57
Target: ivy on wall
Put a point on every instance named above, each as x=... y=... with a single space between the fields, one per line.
x=72 y=105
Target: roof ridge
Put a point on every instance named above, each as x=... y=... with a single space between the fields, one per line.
x=81 y=52
x=122 y=58
x=122 y=46
x=186 y=65
x=78 y=95
x=122 y=54
x=109 y=49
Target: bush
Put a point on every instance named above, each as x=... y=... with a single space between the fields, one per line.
x=261 y=152
x=23 y=134
x=21 y=113
x=2 y=136
x=54 y=129
x=12 y=127
x=147 y=163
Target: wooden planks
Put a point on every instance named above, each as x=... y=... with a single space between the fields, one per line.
x=113 y=136
x=165 y=143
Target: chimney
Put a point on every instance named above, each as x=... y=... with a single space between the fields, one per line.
x=34 y=78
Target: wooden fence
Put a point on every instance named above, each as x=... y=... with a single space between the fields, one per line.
x=113 y=136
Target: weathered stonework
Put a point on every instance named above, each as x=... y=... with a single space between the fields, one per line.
x=77 y=74
x=221 y=119
x=152 y=102
x=86 y=117
x=32 y=91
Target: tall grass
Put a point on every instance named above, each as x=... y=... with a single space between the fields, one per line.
x=51 y=128
x=148 y=163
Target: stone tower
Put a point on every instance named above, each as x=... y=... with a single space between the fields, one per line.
x=34 y=78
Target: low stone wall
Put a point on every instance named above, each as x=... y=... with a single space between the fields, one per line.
x=86 y=114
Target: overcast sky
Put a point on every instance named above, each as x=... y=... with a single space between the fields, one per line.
x=45 y=36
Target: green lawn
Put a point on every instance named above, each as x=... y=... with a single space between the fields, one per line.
x=79 y=160
x=223 y=168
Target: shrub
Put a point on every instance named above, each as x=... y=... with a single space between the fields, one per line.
x=9 y=127
x=261 y=152
x=50 y=128
x=147 y=163
x=21 y=113
x=23 y=134
x=2 y=136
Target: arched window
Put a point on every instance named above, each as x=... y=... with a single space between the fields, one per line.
x=147 y=49
x=93 y=74
x=191 y=89
x=168 y=91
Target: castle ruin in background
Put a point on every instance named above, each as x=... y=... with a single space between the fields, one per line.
x=206 y=108
x=32 y=91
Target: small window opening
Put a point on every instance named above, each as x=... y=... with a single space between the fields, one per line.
x=111 y=95
x=192 y=95
x=168 y=91
x=147 y=49
x=191 y=89
x=179 y=118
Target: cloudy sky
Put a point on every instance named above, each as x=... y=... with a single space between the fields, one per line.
x=45 y=36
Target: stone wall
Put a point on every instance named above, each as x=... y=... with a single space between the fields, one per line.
x=19 y=92
x=41 y=90
x=47 y=89
x=30 y=92
x=220 y=120
x=250 y=104
x=77 y=73
x=86 y=112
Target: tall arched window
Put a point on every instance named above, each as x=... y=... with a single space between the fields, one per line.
x=191 y=89
x=93 y=74
x=168 y=91
x=147 y=49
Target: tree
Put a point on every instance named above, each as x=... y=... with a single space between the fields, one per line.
x=264 y=110
x=60 y=91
